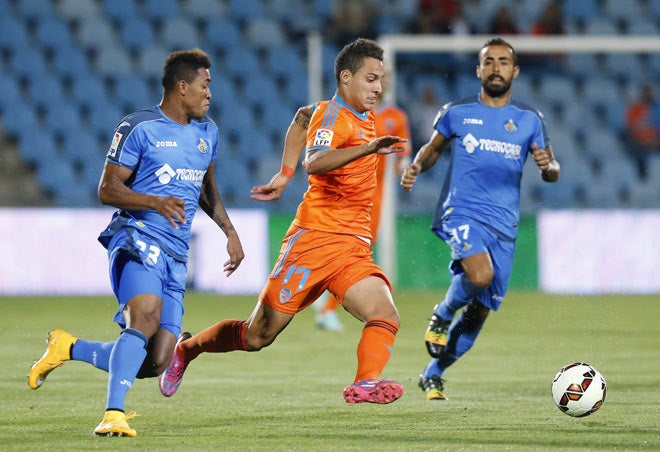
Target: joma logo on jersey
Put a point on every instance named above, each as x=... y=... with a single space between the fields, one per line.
x=473 y=121
x=166 y=144
x=323 y=137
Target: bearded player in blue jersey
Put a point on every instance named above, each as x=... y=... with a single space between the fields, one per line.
x=491 y=136
x=158 y=170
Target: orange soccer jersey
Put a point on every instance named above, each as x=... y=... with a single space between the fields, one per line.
x=324 y=248
x=340 y=201
x=390 y=120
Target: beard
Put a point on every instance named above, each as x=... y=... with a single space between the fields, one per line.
x=496 y=90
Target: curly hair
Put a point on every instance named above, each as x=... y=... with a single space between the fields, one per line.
x=183 y=65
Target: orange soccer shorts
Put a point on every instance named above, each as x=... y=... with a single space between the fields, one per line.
x=311 y=262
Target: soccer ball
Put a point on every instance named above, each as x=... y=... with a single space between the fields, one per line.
x=579 y=389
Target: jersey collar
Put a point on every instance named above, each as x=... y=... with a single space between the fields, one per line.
x=337 y=98
x=168 y=119
x=489 y=106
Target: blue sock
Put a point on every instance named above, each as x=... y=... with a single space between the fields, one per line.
x=95 y=353
x=125 y=361
x=459 y=341
x=461 y=291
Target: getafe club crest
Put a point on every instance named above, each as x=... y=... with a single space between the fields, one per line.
x=202 y=146
x=510 y=126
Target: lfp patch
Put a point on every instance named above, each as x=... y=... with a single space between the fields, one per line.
x=323 y=137
x=115 y=143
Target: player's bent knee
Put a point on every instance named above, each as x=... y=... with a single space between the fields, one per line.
x=256 y=343
x=393 y=316
x=159 y=368
x=481 y=279
x=150 y=370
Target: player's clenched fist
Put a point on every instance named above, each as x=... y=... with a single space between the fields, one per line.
x=409 y=176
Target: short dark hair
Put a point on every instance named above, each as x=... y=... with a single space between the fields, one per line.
x=501 y=42
x=352 y=56
x=183 y=65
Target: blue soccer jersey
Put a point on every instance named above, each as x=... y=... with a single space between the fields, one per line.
x=167 y=159
x=489 y=149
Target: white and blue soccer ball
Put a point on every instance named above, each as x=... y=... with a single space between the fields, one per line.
x=579 y=389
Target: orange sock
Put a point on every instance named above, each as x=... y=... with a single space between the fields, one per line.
x=375 y=348
x=224 y=336
x=331 y=304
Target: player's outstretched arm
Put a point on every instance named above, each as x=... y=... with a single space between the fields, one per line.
x=426 y=157
x=294 y=143
x=545 y=160
x=211 y=203
x=322 y=161
x=113 y=191
x=388 y=144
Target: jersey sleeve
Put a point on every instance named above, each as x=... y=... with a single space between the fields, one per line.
x=215 y=144
x=541 y=132
x=125 y=148
x=325 y=131
x=442 y=122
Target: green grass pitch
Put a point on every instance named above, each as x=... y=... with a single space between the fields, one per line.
x=288 y=396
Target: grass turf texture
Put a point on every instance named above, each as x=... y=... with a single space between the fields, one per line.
x=288 y=396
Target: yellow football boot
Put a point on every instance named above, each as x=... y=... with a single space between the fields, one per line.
x=114 y=424
x=58 y=350
x=436 y=336
x=433 y=387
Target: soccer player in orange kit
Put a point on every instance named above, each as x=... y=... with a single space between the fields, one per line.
x=327 y=246
x=390 y=120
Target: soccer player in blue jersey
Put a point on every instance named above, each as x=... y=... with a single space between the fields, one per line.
x=158 y=170
x=491 y=136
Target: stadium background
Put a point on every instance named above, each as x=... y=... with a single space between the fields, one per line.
x=70 y=69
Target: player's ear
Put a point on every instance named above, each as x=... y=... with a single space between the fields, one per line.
x=345 y=76
x=182 y=86
x=516 y=71
x=478 y=71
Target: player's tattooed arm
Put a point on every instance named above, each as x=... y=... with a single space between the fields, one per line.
x=211 y=203
x=296 y=137
x=303 y=116
x=113 y=191
x=221 y=218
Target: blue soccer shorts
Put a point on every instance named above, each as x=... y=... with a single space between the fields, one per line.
x=467 y=237
x=139 y=266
